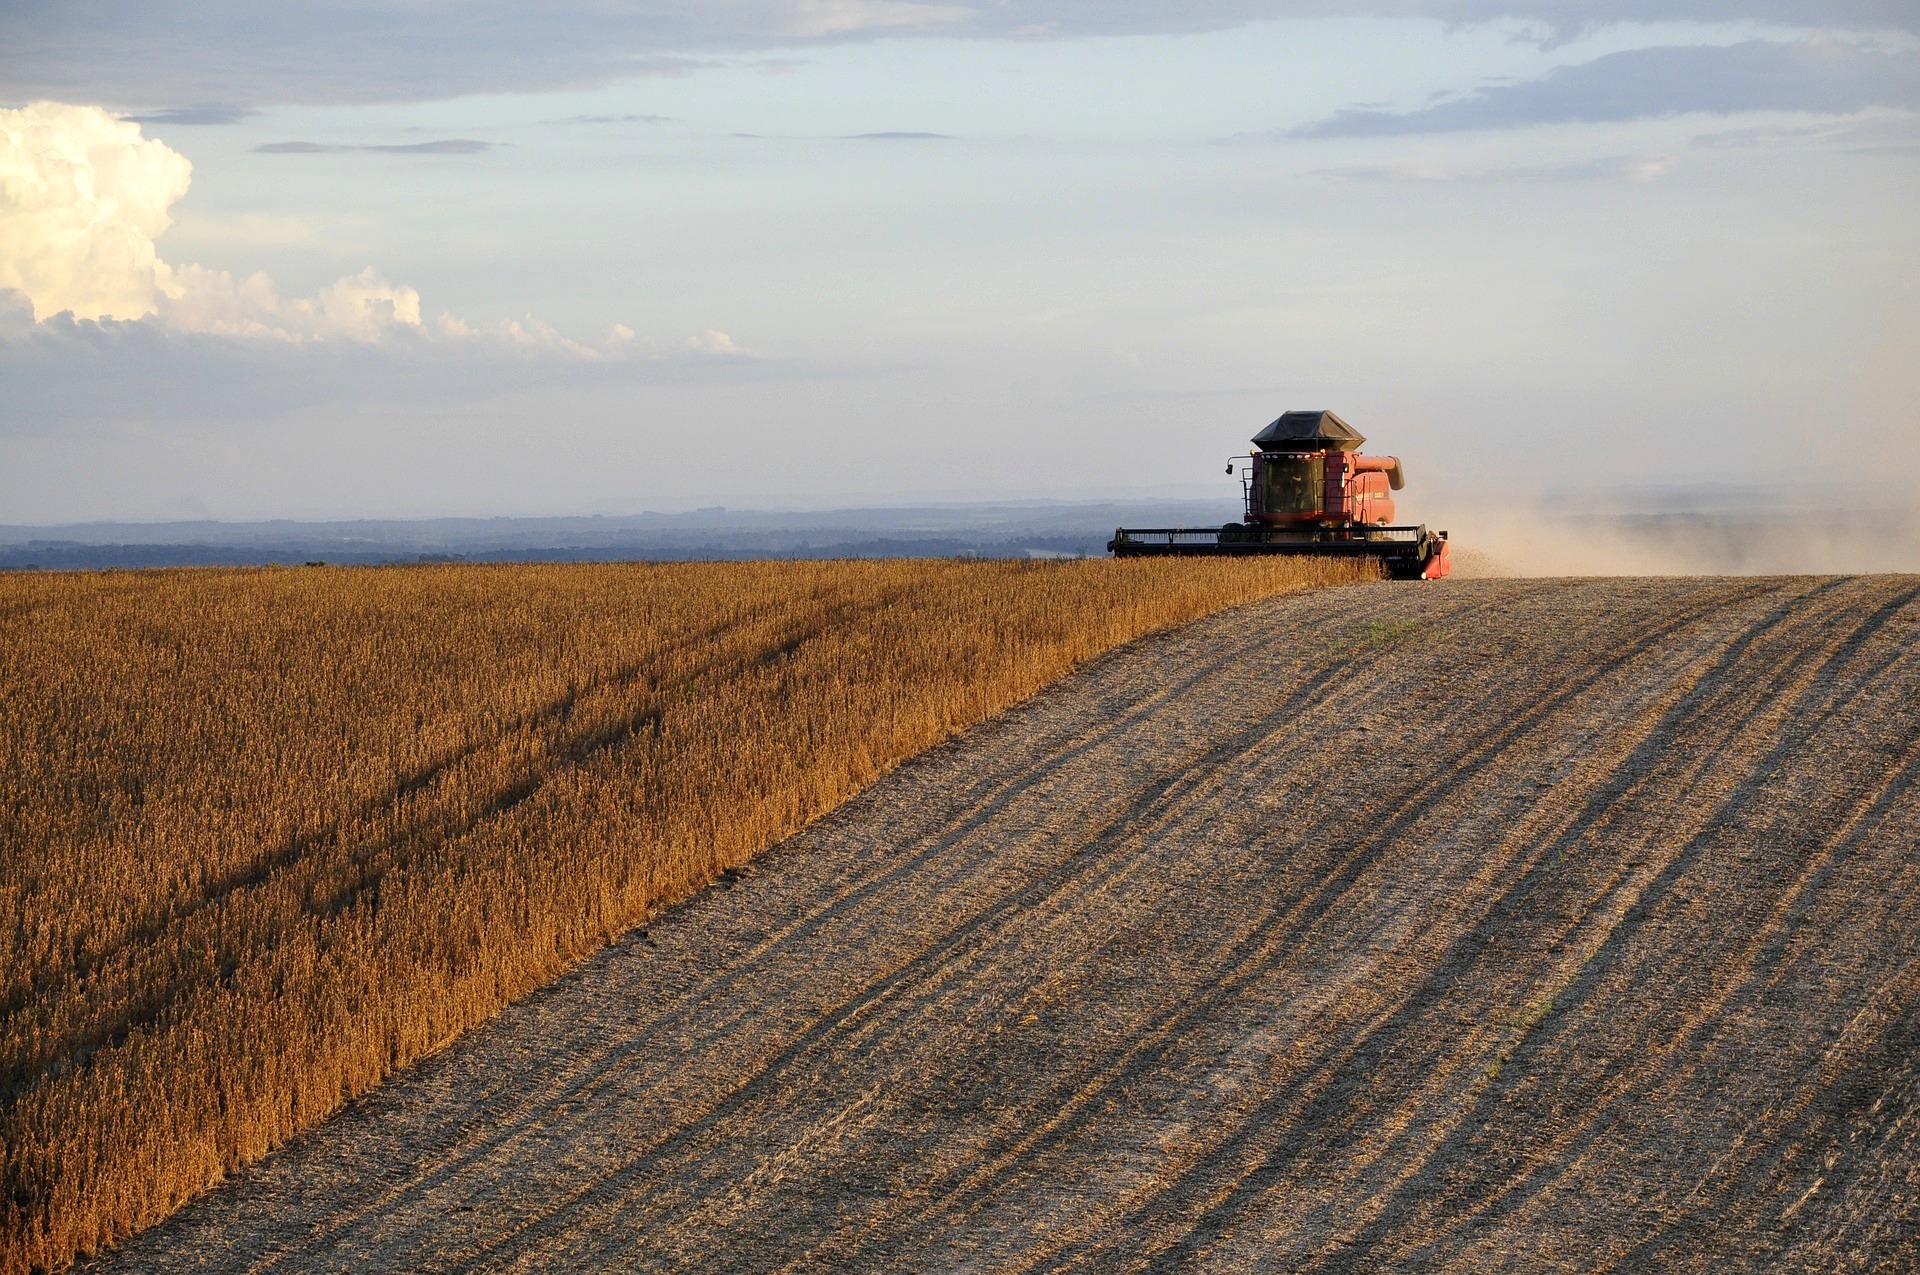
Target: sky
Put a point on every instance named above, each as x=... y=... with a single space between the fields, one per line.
x=478 y=258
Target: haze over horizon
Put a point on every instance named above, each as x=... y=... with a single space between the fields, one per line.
x=408 y=260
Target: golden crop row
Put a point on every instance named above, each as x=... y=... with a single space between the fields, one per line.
x=266 y=836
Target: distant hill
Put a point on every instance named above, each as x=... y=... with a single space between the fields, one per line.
x=1003 y=530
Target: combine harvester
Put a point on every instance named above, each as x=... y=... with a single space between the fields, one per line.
x=1308 y=490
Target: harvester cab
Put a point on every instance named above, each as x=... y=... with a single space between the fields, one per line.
x=1308 y=490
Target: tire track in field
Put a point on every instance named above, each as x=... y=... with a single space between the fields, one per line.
x=1497 y=1199
x=1801 y=721
x=1791 y=1122
x=1222 y=955
x=1504 y=1198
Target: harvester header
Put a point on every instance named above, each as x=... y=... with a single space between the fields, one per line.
x=1308 y=490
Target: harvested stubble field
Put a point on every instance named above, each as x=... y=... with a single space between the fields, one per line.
x=270 y=835
x=1486 y=926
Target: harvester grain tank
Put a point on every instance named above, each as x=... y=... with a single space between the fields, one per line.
x=1308 y=490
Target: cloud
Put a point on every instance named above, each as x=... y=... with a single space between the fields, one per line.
x=711 y=341
x=1622 y=168
x=97 y=330
x=83 y=196
x=810 y=19
x=845 y=137
x=194 y=115
x=447 y=146
x=1894 y=135
x=364 y=307
x=1821 y=76
x=611 y=119
x=344 y=51
x=1562 y=20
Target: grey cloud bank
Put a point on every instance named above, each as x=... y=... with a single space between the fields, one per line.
x=1819 y=76
x=334 y=52
x=448 y=146
x=214 y=115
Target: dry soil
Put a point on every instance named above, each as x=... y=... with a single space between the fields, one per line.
x=1480 y=926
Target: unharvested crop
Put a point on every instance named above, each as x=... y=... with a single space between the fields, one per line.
x=270 y=835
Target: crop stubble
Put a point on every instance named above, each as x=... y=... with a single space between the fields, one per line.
x=270 y=835
x=1492 y=926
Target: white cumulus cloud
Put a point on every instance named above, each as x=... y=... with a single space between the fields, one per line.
x=362 y=307
x=713 y=341
x=83 y=196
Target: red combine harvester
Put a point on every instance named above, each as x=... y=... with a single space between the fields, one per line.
x=1309 y=490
